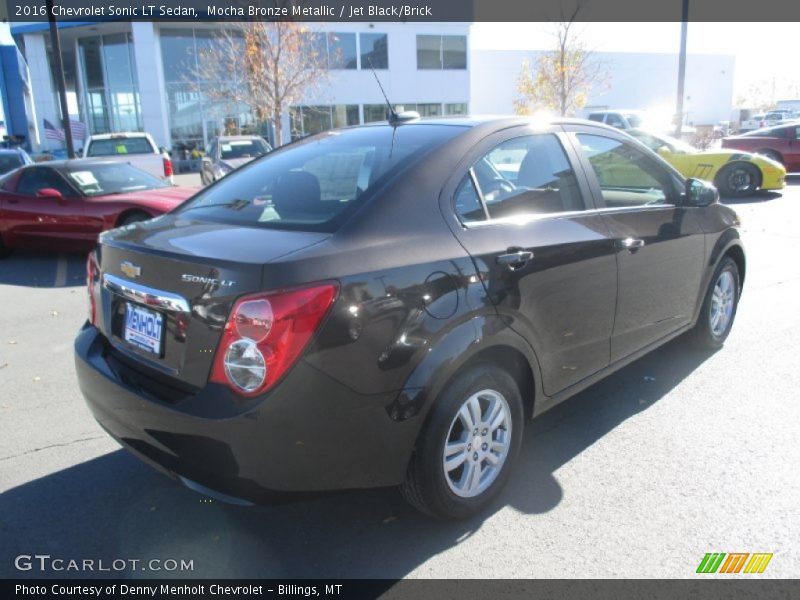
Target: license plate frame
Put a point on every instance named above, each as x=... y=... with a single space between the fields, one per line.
x=143 y=329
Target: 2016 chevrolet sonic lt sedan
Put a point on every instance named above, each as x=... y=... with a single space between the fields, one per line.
x=388 y=304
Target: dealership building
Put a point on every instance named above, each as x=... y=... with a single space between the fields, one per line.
x=145 y=76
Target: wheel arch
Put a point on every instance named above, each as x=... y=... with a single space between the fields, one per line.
x=133 y=210
x=466 y=345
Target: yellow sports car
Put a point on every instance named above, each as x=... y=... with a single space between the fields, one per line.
x=734 y=173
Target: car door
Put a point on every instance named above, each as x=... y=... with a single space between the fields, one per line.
x=660 y=244
x=791 y=156
x=523 y=213
x=32 y=220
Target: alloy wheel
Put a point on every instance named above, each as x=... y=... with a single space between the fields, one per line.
x=722 y=303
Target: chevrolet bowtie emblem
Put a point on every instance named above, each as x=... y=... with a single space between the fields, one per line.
x=130 y=269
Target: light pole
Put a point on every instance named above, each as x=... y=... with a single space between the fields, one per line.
x=681 y=68
x=58 y=68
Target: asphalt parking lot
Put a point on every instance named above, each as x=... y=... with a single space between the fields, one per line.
x=679 y=454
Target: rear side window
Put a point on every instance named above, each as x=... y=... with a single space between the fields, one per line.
x=528 y=175
x=117 y=146
x=315 y=184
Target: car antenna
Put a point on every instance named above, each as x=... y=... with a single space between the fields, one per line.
x=395 y=118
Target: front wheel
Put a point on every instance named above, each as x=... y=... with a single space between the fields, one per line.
x=719 y=307
x=468 y=446
x=740 y=179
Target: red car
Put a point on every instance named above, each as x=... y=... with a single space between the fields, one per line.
x=64 y=205
x=781 y=143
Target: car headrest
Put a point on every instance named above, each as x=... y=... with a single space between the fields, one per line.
x=535 y=170
x=297 y=191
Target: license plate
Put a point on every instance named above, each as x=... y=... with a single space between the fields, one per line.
x=143 y=328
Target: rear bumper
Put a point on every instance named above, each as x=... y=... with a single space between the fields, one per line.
x=309 y=434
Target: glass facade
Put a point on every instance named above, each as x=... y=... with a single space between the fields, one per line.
x=308 y=120
x=197 y=112
x=110 y=89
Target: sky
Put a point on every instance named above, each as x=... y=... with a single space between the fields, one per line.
x=762 y=51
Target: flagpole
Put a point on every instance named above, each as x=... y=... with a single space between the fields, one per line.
x=58 y=69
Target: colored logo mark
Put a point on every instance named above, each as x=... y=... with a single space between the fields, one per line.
x=734 y=562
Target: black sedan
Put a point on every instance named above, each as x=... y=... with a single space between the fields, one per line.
x=387 y=305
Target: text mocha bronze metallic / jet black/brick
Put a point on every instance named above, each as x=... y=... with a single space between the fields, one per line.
x=387 y=305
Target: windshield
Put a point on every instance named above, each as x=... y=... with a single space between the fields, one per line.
x=314 y=184
x=116 y=146
x=232 y=149
x=117 y=178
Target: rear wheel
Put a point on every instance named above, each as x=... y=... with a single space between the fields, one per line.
x=468 y=446
x=739 y=179
x=719 y=307
x=133 y=217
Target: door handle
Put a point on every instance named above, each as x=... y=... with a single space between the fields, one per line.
x=631 y=244
x=515 y=258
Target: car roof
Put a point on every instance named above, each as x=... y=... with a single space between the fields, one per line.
x=76 y=163
x=118 y=135
x=231 y=138
x=478 y=120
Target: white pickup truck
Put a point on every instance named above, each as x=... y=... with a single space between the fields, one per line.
x=137 y=149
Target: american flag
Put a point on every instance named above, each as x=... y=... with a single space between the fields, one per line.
x=53 y=133
x=78 y=130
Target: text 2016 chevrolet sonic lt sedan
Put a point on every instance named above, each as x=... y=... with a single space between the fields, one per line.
x=387 y=305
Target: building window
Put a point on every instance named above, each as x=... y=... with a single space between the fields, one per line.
x=457 y=108
x=308 y=120
x=441 y=52
x=374 y=50
x=111 y=91
x=335 y=50
x=374 y=113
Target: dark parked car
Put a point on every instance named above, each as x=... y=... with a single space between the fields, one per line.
x=388 y=304
x=230 y=152
x=781 y=143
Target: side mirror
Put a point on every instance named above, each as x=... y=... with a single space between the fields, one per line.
x=50 y=193
x=700 y=193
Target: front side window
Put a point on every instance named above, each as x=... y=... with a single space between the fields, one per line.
x=529 y=175
x=315 y=184
x=36 y=179
x=627 y=177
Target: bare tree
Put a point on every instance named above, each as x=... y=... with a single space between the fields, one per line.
x=263 y=66
x=562 y=78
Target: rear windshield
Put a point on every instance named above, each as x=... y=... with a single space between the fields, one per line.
x=232 y=149
x=115 y=146
x=116 y=178
x=777 y=132
x=315 y=184
x=9 y=162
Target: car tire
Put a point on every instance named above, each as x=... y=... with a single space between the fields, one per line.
x=133 y=217
x=463 y=482
x=719 y=306
x=738 y=179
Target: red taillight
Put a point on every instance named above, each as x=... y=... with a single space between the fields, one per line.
x=91 y=275
x=167 y=167
x=265 y=334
